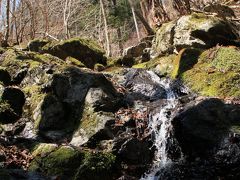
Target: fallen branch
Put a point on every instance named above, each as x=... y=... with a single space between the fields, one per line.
x=48 y=35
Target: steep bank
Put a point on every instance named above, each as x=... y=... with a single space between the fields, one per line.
x=172 y=117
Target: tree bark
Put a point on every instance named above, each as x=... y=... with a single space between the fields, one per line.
x=6 y=37
x=105 y=28
x=119 y=33
x=134 y=19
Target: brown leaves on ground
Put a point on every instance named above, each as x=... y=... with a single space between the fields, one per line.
x=15 y=157
x=140 y=117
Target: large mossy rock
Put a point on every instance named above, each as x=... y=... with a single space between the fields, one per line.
x=66 y=107
x=85 y=50
x=214 y=72
x=195 y=30
x=37 y=44
x=54 y=160
x=97 y=166
x=70 y=163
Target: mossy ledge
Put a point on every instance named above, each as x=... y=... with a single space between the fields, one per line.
x=216 y=72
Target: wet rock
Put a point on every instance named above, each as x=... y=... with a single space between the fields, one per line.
x=19 y=76
x=2 y=156
x=201 y=128
x=134 y=151
x=142 y=85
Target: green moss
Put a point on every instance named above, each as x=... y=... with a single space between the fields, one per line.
x=99 y=67
x=66 y=162
x=86 y=42
x=111 y=61
x=89 y=120
x=161 y=65
x=85 y=50
x=35 y=94
x=235 y=129
x=5 y=106
x=227 y=59
x=198 y=18
x=73 y=61
x=184 y=61
x=43 y=149
x=62 y=161
x=216 y=75
x=96 y=165
x=140 y=66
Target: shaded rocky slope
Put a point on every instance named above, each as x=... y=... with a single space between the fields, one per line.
x=176 y=116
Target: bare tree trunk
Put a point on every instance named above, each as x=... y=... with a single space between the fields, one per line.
x=13 y=19
x=6 y=37
x=134 y=19
x=66 y=16
x=105 y=28
x=119 y=33
x=145 y=23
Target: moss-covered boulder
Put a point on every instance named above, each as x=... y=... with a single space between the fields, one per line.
x=71 y=163
x=62 y=161
x=196 y=30
x=93 y=117
x=97 y=166
x=37 y=44
x=214 y=72
x=85 y=50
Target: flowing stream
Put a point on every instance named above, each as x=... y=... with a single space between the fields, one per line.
x=160 y=128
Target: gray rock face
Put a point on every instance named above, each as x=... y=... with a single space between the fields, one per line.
x=71 y=103
x=195 y=30
x=201 y=128
x=135 y=151
x=142 y=86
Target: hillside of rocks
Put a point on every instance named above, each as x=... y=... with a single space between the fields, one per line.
x=169 y=108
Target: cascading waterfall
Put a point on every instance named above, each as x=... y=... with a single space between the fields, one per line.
x=160 y=127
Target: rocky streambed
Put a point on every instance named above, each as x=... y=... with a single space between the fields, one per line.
x=68 y=112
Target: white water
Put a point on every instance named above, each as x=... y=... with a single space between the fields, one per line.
x=160 y=127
